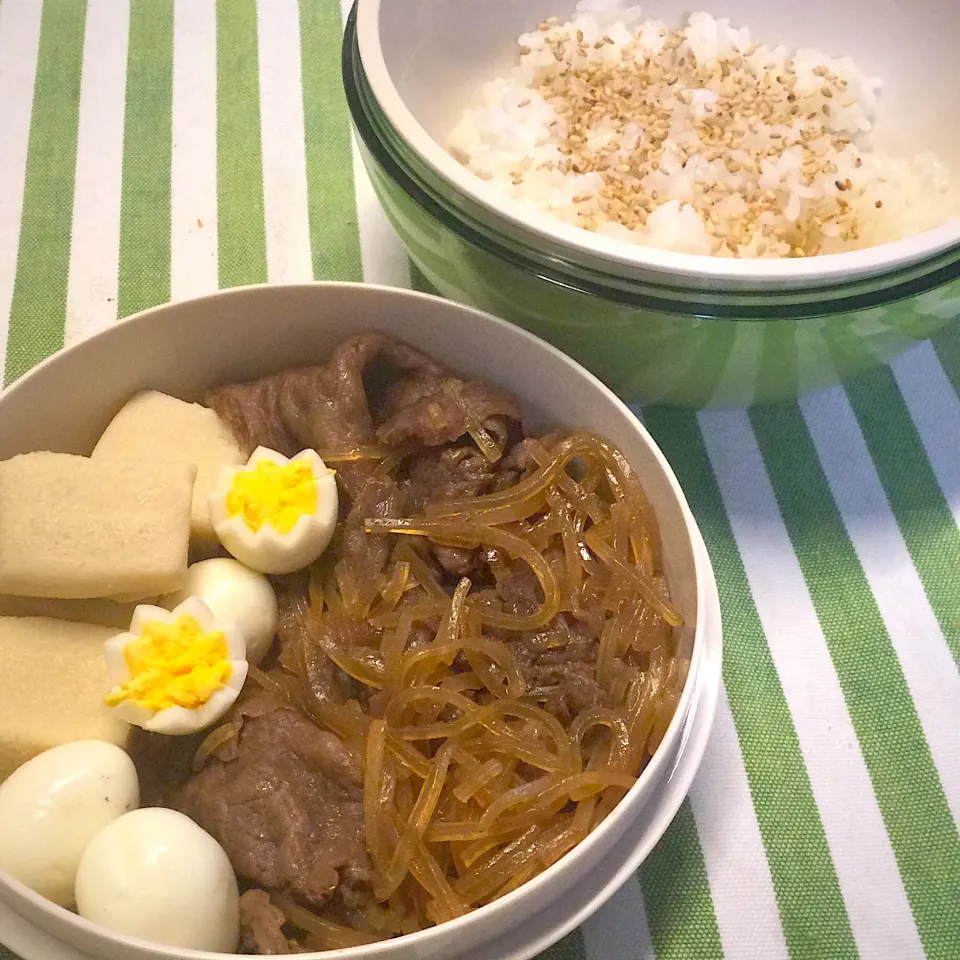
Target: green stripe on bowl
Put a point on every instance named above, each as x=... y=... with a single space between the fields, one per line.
x=918 y=503
x=905 y=780
x=39 y=306
x=571 y=947
x=419 y=282
x=947 y=345
x=240 y=220
x=680 y=914
x=707 y=352
x=778 y=374
x=331 y=199
x=144 y=269
x=812 y=912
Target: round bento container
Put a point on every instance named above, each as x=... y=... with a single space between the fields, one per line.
x=186 y=348
x=657 y=326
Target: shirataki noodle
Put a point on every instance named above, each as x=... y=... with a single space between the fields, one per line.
x=465 y=684
x=470 y=786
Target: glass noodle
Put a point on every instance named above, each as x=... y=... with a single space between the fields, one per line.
x=473 y=781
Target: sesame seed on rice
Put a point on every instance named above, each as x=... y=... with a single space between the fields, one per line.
x=699 y=140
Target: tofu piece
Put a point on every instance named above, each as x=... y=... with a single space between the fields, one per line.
x=107 y=613
x=72 y=527
x=54 y=679
x=154 y=426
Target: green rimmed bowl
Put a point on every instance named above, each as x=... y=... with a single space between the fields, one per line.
x=655 y=333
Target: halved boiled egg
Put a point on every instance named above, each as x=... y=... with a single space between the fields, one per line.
x=275 y=514
x=175 y=671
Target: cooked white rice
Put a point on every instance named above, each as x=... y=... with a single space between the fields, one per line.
x=696 y=140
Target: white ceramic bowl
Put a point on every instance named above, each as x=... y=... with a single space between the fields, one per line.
x=186 y=348
x=426 y=59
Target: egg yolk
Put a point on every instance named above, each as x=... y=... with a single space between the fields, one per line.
x=173 y=665
x=273 y=494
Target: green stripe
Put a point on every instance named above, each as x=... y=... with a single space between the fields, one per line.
x=240 y=224
x=714 y=347
x=918 y=503
x=921 y=829
x=947 y=345
x=332 y=205
x=683 y=925
x=812 y=911
x=38 y=309
x=778 y=374
x=419 y=282
x=144 y=270
x=571 y=947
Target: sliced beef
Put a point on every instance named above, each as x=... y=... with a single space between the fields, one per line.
x=252 y=411
x=288 y=809
x=440 y=409
x=519 y=589
x=575 y=684
x=520 y=456
x=327 y=406
x=448 y=474
x=261 y=926
x=303 y=639
x=283 y=797
x=558 y=661
x=459 y=561
x=323 y=406
x=559 y=664
x=298 y=653
x=367 y=554
x=162 y=762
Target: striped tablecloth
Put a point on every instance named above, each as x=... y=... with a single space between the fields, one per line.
x=154 y=150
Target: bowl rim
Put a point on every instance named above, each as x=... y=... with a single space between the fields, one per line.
x=626 y=258
x=701 y=565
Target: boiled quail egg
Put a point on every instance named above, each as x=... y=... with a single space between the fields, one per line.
x=234 y=593
x=175 y=671
x=275 y=514
x=155 y=874
x=53 y=806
